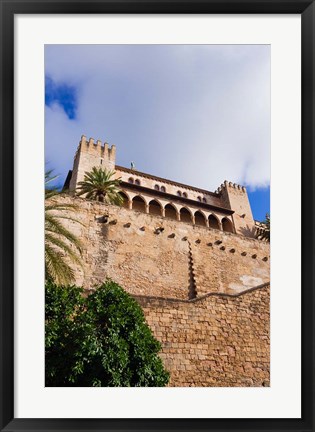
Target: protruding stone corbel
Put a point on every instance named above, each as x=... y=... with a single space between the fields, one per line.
x=158 y=230
x=102 y=219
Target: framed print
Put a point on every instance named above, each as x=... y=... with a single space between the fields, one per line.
x=141 y=286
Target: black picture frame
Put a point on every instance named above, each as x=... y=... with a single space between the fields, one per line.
x=8 y=10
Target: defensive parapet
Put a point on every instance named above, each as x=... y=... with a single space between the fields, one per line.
x=88 y=155
x=229 y=196
x=235 y=197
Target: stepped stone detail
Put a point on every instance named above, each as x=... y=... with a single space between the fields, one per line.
x=192 y=280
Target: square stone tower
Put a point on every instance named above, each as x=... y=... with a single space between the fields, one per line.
x=88 y=155
x=235 y=197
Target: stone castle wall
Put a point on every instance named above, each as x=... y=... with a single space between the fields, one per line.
x=128 y=250
x=207 y=340
x=214 y=341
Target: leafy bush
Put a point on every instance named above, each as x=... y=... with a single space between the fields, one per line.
x=101 y=340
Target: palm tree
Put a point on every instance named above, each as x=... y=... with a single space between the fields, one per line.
x=100 y=185
x=263 y=232
x=61 y=246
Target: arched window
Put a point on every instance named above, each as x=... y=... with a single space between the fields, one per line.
x=204 y=200
x=163 y=189
x=199 y=198
x=131 y=180
x=138 y=204
x=157 y=187
x=185 y=195
x=227 y=225
x=213 y=222
x=170 y=212
x=126 y=200
x=179 y=193
x=185 y=215
x=155 y=208
x=137 y=182
x=200 y=219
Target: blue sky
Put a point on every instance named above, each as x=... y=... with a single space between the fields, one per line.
x=62 y=94
x=197 y=114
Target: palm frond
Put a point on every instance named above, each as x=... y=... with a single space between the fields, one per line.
x=58 y=239
x=50 y=193
x=48 y=176
x=64 y=247
x=54 y=226
x=63 y=206
x=56 y=267
x=70 y=218
x=100 y=184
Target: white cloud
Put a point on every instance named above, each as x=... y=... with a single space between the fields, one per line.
x=195 y=114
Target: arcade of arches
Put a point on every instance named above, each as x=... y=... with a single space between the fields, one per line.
x=183 y=214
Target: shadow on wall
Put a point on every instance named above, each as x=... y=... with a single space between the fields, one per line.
x=248 y=232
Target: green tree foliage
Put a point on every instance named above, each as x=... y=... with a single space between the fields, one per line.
x=100 y=185
x=61 y=245
x=101 y=340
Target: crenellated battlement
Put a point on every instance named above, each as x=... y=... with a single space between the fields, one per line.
x=228 y=184
x=96 y=148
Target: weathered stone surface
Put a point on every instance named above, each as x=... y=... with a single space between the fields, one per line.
x=190 y=259
x=131 y=253
x=209 y=340
x=217 y=341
